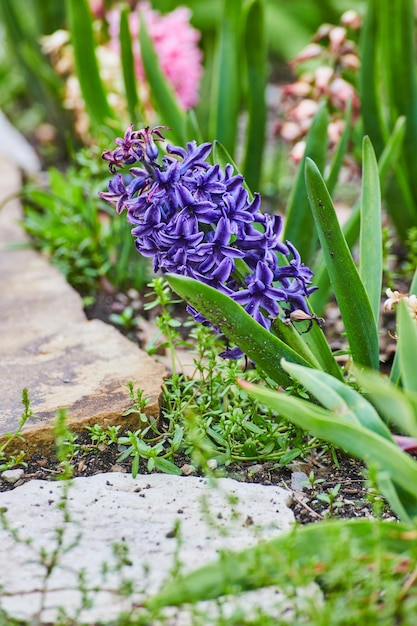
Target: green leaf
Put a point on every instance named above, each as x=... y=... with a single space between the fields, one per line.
x=128 y=68
x=280 y=560
x=338 y=397
x=255 y=50
x=392 y=403
x=368 y=78
x=395 y=369
x=392 y=150
x=299 y=227
x=162 y=94
x=351 y=296
x=407 y=347
x=354 y=438
x=92 y=88
x=388 y=89
x=239 y=327
x=370 y=240
x=164 y=465
x=226 y=88
x=351 y=228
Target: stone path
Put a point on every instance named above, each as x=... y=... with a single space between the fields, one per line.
x=48 y=346
x=141 y=516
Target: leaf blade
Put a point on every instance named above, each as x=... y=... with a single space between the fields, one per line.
x=231 y=319
x=351 y=296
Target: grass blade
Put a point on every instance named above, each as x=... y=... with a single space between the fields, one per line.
x=370 y=240
x=351 y=296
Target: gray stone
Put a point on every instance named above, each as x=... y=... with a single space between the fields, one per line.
x=12 y=475
x=299 y=481
x=151 y=516
x=16 y=148
x=49 y=347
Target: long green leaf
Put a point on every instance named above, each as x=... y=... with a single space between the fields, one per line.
x=392 y=403
x=280 y=561
x=407 y=348
x=339 y=397
x=226 y=86
x=369 y=78
x=354 y=438
x=162 y=94
x=256 y=61
x=395 y=369
x=351 y=296
x=389 y=89
x=351 y=228
x=370 y=240
x=397 y=39
x=128 y=69
x=240 y=328
x=299 y=224
x=92 y=89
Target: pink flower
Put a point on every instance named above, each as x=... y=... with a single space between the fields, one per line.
x=176 y=44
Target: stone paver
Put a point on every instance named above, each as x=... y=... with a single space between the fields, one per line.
x=139 y=513
x=49 y=347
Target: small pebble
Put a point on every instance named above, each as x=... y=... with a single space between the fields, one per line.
x=212 y=464
x=12 y=475
x=299 y=481
x=187 y=469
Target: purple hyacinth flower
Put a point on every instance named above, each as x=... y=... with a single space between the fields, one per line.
x=197 y=219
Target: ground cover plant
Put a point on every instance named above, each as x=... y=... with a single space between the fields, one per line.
x=258 y=285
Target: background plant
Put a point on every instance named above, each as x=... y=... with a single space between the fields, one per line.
x=73 y=227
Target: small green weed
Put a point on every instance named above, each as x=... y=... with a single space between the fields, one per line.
x=7 y=462
x=205 y=415
x=70 y=224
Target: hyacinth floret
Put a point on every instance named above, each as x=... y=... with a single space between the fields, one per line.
x=197 y=219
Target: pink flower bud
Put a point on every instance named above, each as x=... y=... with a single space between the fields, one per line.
x=290 y=131
x=323 y=76
x=297 y=152
x=337 y=36
x=350 y=61
x=341 y=92
x=300 y=89
x=351 y=19
x=306 y=109
x=312 y=51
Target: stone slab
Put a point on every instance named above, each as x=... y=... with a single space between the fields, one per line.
x=49 y=347
x=140 y=514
